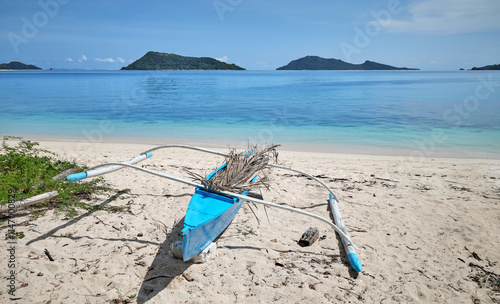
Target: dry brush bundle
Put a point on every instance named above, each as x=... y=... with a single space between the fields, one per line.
x=241 y=168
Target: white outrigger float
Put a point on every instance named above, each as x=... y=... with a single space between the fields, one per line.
x=211 y=211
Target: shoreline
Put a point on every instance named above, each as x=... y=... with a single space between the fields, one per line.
x=410 y=154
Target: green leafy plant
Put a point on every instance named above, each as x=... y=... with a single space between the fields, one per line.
x=27 y=170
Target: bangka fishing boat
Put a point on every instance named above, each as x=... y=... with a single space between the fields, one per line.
x=210 y=211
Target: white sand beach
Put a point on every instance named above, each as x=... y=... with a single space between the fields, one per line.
x=427 y=231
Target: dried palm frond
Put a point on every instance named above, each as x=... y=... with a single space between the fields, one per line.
x=241 y=168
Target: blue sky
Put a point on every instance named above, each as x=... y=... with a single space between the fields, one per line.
x=255 y=34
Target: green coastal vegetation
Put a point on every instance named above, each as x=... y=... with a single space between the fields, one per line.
x=319 y=63
x=487 y=68
x=26 y=171
x=167 y=61
x=16 y=65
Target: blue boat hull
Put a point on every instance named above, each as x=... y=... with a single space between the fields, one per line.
x=207 y=216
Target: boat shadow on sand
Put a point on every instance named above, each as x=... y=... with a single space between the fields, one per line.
x=75 y=220
x=164 y=268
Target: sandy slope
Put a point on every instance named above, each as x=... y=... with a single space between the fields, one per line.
x=426 y=230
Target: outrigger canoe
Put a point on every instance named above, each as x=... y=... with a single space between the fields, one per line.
x=210 y=212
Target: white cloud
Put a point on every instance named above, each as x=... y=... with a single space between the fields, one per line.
x=81 y=59
x=222 y=59
x=448 y=17
x=109 y=60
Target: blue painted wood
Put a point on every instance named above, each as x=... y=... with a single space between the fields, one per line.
x=205 y=219
x=207 y=216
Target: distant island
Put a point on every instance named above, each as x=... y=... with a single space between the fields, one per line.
x=16 y=65
x=166 y=61
x=318 y=63
x=487 y=68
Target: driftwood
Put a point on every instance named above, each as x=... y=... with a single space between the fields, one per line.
x=37 y=198
x=29 y=201
x=47 y=253
x=309 y=237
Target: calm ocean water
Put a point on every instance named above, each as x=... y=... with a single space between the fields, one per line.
x=418 y=111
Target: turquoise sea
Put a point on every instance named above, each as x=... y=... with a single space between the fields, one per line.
x=419 y=112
